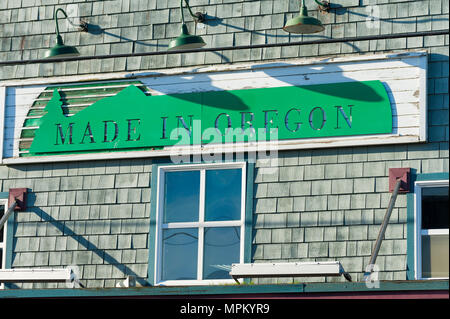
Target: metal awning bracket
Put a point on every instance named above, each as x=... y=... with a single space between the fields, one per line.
x=292 y=269
x=19 y=196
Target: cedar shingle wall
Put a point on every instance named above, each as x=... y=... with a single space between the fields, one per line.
x=316 y=205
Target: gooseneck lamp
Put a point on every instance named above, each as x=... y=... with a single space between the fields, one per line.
x=61 y=50
x=186 y=40
x=303 y=23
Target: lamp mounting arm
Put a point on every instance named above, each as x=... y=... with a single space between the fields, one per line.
x=324 y=6
x=83 y=25
x=198 y=16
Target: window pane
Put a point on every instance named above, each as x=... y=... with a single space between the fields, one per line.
x=435 y=207
x=435 y=256
x=223 y=194
x=179 y=254
x=2 y=211
x=181 y=196
x=222 y=248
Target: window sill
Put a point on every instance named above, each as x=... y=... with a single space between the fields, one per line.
x=216 y=282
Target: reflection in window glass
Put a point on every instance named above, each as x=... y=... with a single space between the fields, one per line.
x=2 y=231
x=435 y=208
x=221 y=250
x=181 y=196
x=2 y=211
x=435 y=256
x=179 y=254
x=223 y=194
x=201 y=224
x=434 y=237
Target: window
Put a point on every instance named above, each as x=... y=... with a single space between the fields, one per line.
x=432 y=241
x=3 y=209
x=200 y=222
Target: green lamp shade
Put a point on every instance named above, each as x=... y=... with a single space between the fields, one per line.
x=303 y=23
x=186 y=41
x=61 y=50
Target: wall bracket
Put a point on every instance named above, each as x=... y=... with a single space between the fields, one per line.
x=404 y=175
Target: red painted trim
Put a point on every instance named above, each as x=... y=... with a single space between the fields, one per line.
x=430 y=294
x=440 y=294
x=401 y=173
x=19 y=195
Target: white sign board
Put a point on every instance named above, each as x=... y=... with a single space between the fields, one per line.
x=403 y=75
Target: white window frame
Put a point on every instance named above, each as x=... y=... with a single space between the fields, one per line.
x=4 y=202
x=418 y=231
x=200 y=224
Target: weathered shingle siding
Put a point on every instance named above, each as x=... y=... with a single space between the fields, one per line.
x=124 y=26
x=331 y=209
x=316 y=205
x=94 y=216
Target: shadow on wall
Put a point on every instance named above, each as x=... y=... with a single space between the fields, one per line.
x=373 y=15
x=88 y=245
x=215 y=21
x=437 y=85
x=229 y=101
x=367 y=93
x=96 y=30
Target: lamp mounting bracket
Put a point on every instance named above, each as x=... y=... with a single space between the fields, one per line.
x=324 y=6
x=199 y=17
x=83 y=26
